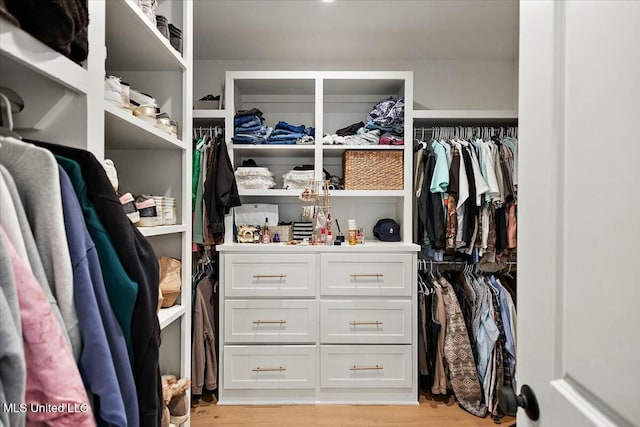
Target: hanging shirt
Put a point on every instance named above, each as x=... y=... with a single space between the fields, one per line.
x=13 y=370
x=96 y=362
x=490 y=165
x=52 y=374
x=141 y=264
x=440 y=179
x=31 y=168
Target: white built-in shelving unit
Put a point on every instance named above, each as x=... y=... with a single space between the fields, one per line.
x=148 y=160
x=312 y=354
x=64 y=104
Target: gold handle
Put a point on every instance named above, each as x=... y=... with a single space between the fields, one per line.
x=269 y=276
x=278 y=369
x=366 y=368
x=356 y=275
x=366 y=322
x=280 y=322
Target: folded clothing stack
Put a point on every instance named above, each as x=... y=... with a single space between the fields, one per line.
x=255 y=178
x=302 y=230
x=298 y=179
x=60 y=24
x=286 y=133
x=388 y=115
x=362 y=136
x=249 y=127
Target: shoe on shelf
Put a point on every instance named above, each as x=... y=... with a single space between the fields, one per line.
x=149 y=215
x=113 y=90
x=128 y=204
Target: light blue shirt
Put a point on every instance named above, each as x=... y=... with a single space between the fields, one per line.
x=487 y=336
x=440 y=180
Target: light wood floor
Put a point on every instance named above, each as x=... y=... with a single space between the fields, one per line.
x=430 y=413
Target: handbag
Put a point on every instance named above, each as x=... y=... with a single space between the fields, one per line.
x=170 y=280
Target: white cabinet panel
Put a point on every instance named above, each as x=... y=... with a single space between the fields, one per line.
x=366 y=274
x=365 y=322
x=269 y=367
x=270 y=275
x=270 y=321
x=366 y=366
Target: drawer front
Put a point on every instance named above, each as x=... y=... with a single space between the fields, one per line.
x=365 y=322
x=366 y=366
x=270 y=275
x=366 y=274
x=270 y=321
x=269 y=367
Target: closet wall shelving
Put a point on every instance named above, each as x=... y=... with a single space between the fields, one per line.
x=313 y=355
x=148 y=160
x=327 y=101
x=64 y=104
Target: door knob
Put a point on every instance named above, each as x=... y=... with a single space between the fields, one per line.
x=509 y=402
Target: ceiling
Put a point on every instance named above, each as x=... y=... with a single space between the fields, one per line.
x=355 y=29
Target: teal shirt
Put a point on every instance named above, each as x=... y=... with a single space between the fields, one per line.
x=121 y=290
x=440 y=180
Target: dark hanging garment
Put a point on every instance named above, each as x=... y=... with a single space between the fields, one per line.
x=430 y=207
x=470 y=208
x=501 y=229
x=141 y=265
x=220 y=189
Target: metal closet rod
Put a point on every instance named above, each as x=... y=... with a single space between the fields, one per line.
x=211 y=129
x=425 y=263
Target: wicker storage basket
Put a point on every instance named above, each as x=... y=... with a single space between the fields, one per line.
x=373 y=170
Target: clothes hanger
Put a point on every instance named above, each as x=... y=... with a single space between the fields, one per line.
x=7 y=108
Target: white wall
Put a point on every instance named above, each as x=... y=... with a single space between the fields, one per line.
x=438 y=84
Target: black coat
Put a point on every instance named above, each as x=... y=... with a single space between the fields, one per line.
x=220 y=189
x=430 y=207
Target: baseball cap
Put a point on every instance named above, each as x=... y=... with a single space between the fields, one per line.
x=387 y=230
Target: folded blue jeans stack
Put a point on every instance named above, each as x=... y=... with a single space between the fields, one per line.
x=249 y=128
x=286 y=133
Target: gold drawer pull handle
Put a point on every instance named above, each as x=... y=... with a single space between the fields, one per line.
x=376 y=275
x=269 y=276
x=280 y=322
x=278 y=369
x=366 y=322
x=366 y=368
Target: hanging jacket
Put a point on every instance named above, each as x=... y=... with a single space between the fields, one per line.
x=141 y=264
x=31 y=167
x=220 y=189
x=430 y=209
x=96 y=364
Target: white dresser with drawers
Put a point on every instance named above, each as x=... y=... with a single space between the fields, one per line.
x=314 y=324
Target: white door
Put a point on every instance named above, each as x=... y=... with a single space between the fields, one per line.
x=579 y=211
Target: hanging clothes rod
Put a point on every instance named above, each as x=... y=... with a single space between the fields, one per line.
x=465 y=132
x=428 y=265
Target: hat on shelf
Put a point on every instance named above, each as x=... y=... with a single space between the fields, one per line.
x=387 y=230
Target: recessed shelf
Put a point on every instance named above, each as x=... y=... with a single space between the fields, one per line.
x=270 y=192
x=134 y=43
x=465 y=117
x=273 y=150
x=167 y=316
x=162 y=230
x=123 y=131
x=209 y=114
x=30 y=53
x=367 y=193
x=339 y=147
